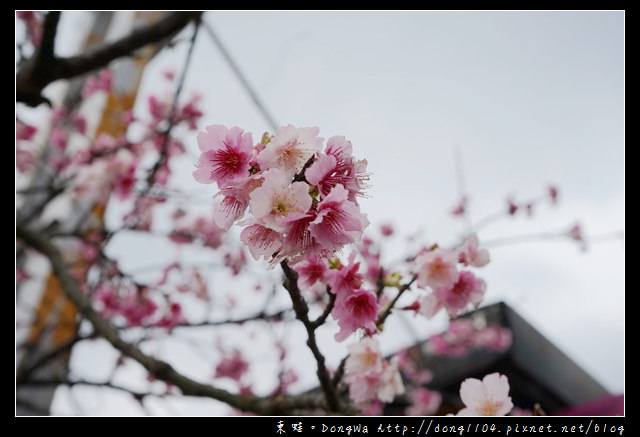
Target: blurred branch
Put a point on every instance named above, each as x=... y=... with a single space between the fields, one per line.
x=160 y=369
x=241 y=77
x=23 y=374
x=44 y=67
x=167 y=134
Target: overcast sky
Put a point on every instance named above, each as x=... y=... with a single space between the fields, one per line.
x=524 y=99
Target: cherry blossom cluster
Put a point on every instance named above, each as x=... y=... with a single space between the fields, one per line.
x=135 y=306
x=446 y=274
x=188 y=229
x=356 y=307
x=301 y=196
x=111 y=166
x=463 y=335
x=371 y=377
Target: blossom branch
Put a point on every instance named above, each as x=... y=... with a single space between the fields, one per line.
x=323 y=317
x=138 y=395
x=44 y=68
x=23 y=374
x=167 y=134
x=159 y=368
x=302 y=313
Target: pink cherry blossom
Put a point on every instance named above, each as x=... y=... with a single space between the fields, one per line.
x=411 y=367
x=386 y=229
x=230 y=209
x=470 y=254
x=99 y=82
x=235 y=260
x=338 y=167
x=235 y=201
x=190 y=113
x=159 y=109
x=22 y=275
x=364 y=357
x=493 y=337
x=131 y=303
x=298 y=241
x=321 y=173
x=463 y=335
x=311 y=270
x=355 y=310
x=453 y=342
x=576 y=233
x=226 y=155
x=232 y=366
x=339 y=147
x=345 y=278
x=512 y=207
x=369 y=376
x=261 y=241
x=553 y=194
x=381 y=386
x=25 y=159
x=290 y=149
x=489 y=397
x=289 y=216
x=469 y=289
x=58 y=138
x=92 y=183
x=390 y=384
x=338 y=220
x=194 y=283
x=79 y=123
x=363 y=388
x=277 y=200
x=24 y=131
x=105 y=143
x=424 y=402
x=286 y=379
x=141 y=216
x=122 y=169
x=437 y=268
x=172 y=317
x=461 y=207
x=207 y=232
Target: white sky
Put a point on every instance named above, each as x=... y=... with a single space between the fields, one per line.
x=527 y=98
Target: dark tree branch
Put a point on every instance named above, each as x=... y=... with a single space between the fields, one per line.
x=302 y=313
x=46 y=50
x=23 y=375
x=44 y=68
x=323 y=317
x=280 y=405
x=71 y=383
